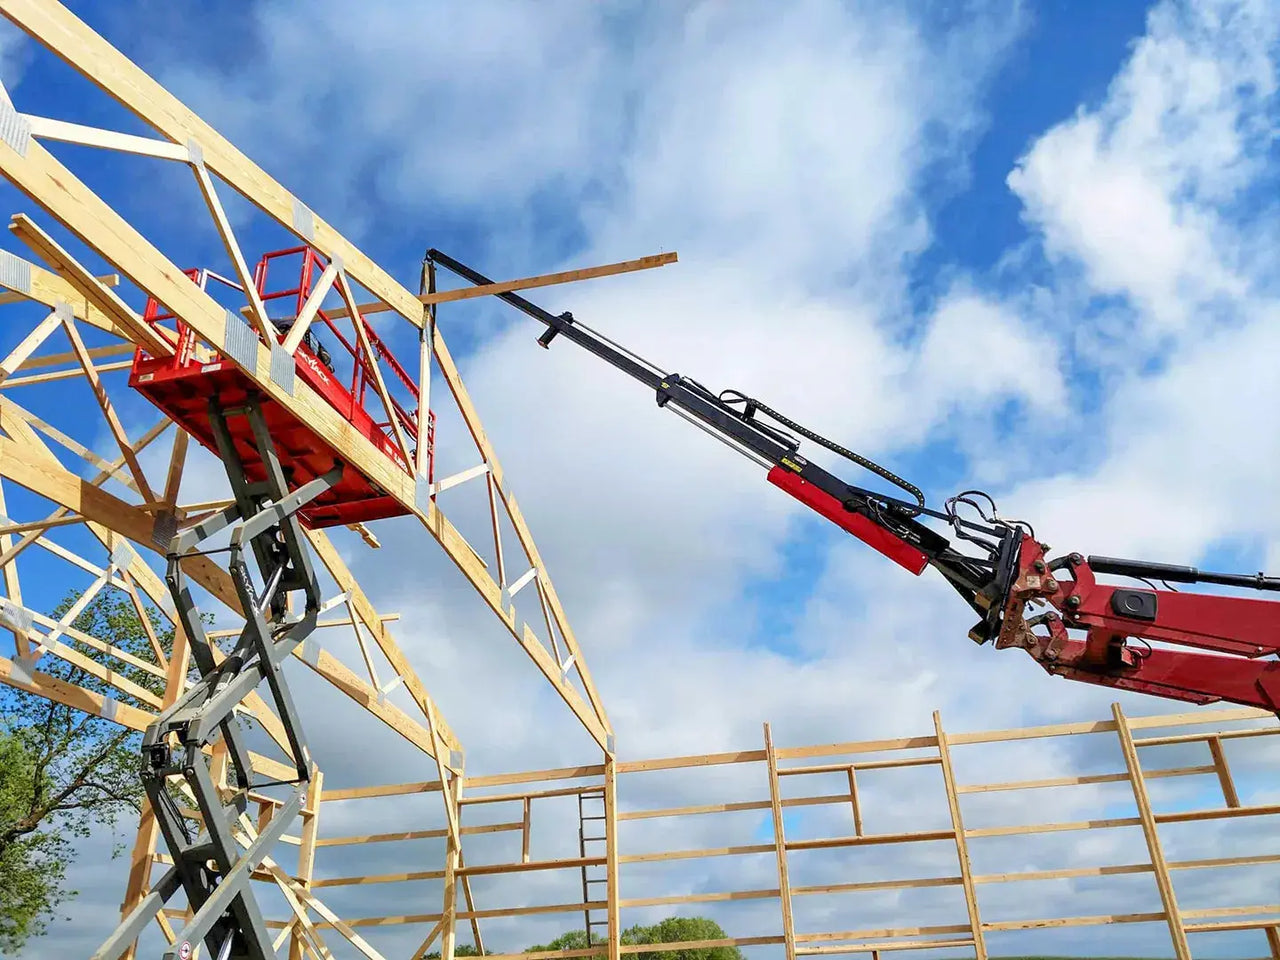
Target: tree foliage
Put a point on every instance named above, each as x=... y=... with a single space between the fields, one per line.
x=670 y=930
x=63 y=772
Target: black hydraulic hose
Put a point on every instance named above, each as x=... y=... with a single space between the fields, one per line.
x=734 y=396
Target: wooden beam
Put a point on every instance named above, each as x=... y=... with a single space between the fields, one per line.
x=12 y=585
x=544 y=280
x=257 y=311
x=28 y=345
x=108 y=411
x=780 y=847
x=302 y=322
x=47 y=128
x=39 y=473
x=371 y=362
x=106 y=279
x=88 y=286
x=50 y=289
x=962 y=847
x=1151 y=832
x=55 y=375
x=97 y=353
x=307 y=850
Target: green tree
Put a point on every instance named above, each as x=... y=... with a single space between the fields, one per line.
x=63 y=772
x=670 y=930
x=570 y=940
x=460 y=950
x=677 y=930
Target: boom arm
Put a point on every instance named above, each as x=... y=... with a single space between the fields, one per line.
x=1086 y=634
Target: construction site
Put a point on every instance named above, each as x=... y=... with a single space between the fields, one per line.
x=305 y=410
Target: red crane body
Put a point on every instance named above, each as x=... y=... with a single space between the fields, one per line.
x=1123 y=637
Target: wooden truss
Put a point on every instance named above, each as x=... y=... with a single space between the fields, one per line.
x=104 y=520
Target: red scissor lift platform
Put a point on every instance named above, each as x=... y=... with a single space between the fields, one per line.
x=197 y=377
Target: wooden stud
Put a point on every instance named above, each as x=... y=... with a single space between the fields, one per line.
x=379 y=382
x=257 y=311
x=449 y=909
x=302 y=323
x=177 y=463
x=307 y=850
x=28 y=345
x=853 y=801
x=108 y=411
x=612 y=879
x=962 y=847
x=525 y=824
x=12 y=585
x=1149 y=830
x=780 y=847
x=47 y=128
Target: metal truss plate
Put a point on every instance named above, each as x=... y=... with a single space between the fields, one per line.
x=304 y=221
x=422 y=493
x=164 y=530
x=15 y=129
x=283 y=369
x=15 y=616
x=122 y=555
x=23 y=670
x=240 y=341
x=15 y=273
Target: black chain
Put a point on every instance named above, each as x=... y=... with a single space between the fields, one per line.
x=733 y=396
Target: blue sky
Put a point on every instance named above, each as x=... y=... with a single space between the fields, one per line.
x=1024 y=246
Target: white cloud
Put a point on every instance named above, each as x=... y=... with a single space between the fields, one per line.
x=792 y=159
x=1136 y=192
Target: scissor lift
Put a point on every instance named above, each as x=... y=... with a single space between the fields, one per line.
x=183 y=385
x=283 y=476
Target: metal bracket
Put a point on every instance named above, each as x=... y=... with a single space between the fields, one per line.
x=609 y=743
x=22 y=670
x=164 y=529
x=195 y=153
x=283 y=368
x=304 y=221
x=422 y=493
x=15 y=616
x=15 y=273
x=122 y=555
x=240 y=341
x=15 y=129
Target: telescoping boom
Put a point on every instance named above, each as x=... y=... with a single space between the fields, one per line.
x=1128 y=637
